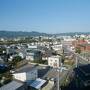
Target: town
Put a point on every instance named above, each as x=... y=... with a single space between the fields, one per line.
x=45 y=62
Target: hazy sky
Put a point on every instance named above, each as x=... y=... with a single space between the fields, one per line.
x=50 y=16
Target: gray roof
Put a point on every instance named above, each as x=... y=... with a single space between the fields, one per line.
x=26 y=68
x=12 y=86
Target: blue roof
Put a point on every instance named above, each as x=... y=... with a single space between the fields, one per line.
x=38 y=83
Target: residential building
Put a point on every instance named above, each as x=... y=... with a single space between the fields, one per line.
x=54 y=61
x=33 y=55
x=75 y=43
x=25 y=73
x=57 y=47
x=84 y=47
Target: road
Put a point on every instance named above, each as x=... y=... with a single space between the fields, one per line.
x=80 y=59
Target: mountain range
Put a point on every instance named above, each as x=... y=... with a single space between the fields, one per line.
x=12 y=34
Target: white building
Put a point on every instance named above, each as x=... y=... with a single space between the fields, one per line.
x=26 y=73
x=57 y=47
x=32 y=46
x=54 y=61
x=33 y=55
x=22 y=55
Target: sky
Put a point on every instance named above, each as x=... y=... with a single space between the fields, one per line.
x=48 y=16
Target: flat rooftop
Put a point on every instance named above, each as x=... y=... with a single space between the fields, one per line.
x=14 y=85
x=55 y=56
x=25 y=68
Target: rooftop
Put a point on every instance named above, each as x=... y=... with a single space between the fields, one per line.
x=83 y=45
x=11 y=86
x=38 y=83
x=25 y=68
x=55 y=56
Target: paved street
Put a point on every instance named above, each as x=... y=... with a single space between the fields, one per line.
x=80 y=59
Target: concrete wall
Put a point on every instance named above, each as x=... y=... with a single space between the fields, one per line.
x=20 y=76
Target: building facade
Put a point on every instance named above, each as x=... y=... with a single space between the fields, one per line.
x=54 y=61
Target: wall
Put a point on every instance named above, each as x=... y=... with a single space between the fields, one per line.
x=32 y=75
x=20 y=76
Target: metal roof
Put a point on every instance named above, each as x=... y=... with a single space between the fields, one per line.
x=12 y=86
x=38 y=83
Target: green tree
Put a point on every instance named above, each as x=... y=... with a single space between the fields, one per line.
x=15 y=60
x=2 y=49
x=78 y=50
x=62 y=56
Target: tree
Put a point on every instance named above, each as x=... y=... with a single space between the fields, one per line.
x=62 y=57
x=1 y=50
x=15 y=60
x=78 y=50
x=59 y=40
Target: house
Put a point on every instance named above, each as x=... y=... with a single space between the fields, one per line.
x=25 y=73
x=33 y=55
x=10 y=51
x=54 y=61
x=67 y=40
x=84 y=47
x=75 y=43
x=57 y=48
x=22 y=52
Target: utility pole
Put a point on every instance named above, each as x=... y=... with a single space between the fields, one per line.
x=58 y=80
x=59 y=71
x=76 y=62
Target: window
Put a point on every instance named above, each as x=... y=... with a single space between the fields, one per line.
x=55 y=64
x=55 y=60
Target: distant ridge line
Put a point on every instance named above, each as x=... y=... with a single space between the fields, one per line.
x=12 y=34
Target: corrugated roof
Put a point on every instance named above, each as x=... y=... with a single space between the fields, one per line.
x=38 y=83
